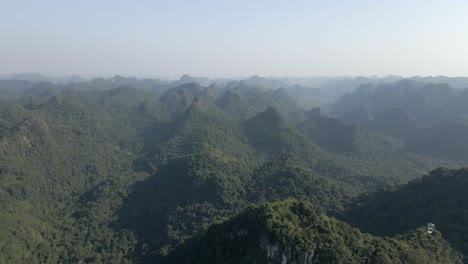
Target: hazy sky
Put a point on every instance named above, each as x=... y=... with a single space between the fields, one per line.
x=218 y=38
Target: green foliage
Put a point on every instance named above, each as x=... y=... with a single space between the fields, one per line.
x=367 y=156
x=185 y=196
x=296 y=232
x=287 y=177
x=52 y=157
x=245 y=101
x=100 y=172
x=420 y=99
x=439 y=197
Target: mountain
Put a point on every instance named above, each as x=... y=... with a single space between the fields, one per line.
x=178 y=99
x=41 y=86
x=455 y=82
x=372 y=156
x=32 y=77
x=438 y=94
x=296 y=232
x=444 y=140
x=330 y=133
x=234 y=105
x=42 y=89
x=261 y=99
x=345 y=139
x=359 y=116
x=269 y=83
x=287 y=176
x=419 y=99
x=102 y=172
x=455 y=110
x=439 y=197
x=203 y=125
x=398 y=123
x=184 y=197
x=215 y=186
x=152 y=85
x=13 y=89
x=186 y=79
x=53 y=156
x=307 y=97
x=269 y=133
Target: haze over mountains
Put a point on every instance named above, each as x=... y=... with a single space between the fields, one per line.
x=265 y=132
x=127 y=170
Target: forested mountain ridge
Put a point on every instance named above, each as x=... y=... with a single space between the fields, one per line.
x=445 y=140
x=439 y=197
x=125 y=174
x=429 y=117
x=296 y=232
x=43 y=176
x=418 y=98
x=361 y=150
x=427 y=103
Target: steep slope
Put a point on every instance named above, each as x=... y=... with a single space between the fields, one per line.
x=307 y=97
x=178 y=99
x=269 y=133
x=359 y=116
x=53 y=156
x=182 y=198
x=260 y=99
x=287 y=176
x=447 y=140
x=378 y=97
x=296 y=232
x=121 y=175
x=398 y=123
x=203 y=125
x=439 y=197
x=419 y=99
x=215 y=186
x=234 y=105
x=456 y=109
x=340 y=138
x=438 y=94
x=330 y=133
x=369 y=156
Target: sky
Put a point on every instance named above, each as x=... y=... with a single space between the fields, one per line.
x=225 y=39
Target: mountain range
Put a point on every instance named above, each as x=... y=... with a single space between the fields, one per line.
x=127 y=170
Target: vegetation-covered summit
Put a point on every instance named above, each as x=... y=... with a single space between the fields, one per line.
x=295 y=232
x=439 y=197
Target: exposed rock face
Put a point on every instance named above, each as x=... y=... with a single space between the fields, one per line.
x=274 y=251
x=283 y=254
